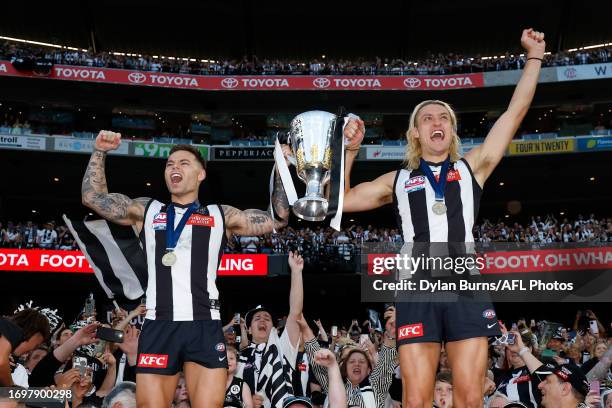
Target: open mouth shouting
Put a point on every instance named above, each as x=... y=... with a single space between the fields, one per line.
x=176 y=178
x=438 y=135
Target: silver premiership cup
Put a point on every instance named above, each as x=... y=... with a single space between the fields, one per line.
x=310 y=139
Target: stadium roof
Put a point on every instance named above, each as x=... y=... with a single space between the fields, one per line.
x=270 y=29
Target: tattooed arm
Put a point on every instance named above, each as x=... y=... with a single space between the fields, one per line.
x=117 y=208
x=258 y=222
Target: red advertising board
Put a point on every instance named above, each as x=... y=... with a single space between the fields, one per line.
x=255 y=83
x=33 y=260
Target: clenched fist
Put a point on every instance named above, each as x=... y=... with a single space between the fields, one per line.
x=354 y=131
x=107 y=141
x=533 y=42
x=325 y=358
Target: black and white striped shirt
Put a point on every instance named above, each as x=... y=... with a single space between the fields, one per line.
x=187 y=290
x=377 y=383
x=414 y=197
x=517 y=385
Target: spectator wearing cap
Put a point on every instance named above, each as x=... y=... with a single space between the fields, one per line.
x=260 y=324
x=561 y=386
x=230 y=333
x=20 y=334
x=557 y=341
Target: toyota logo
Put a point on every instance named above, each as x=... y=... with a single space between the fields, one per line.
x=229 y=83
x=137 y=77
x=321 y=82
x=412 y=82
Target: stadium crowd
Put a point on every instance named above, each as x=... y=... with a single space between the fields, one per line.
x=539 y=229
x=431 y=65
x=335 y=363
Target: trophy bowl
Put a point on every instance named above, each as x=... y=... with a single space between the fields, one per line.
x=310 y=137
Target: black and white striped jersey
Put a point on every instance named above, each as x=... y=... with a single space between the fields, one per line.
x=187 y=290
x=414 y=197
x=517 y=385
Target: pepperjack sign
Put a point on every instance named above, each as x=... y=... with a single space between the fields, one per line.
x=243 y=153
x=255 y=83
x=35 y=260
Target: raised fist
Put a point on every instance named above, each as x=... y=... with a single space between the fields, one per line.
x=107 y=141
x=533 y=42
x=325 y=358
x=354 y=131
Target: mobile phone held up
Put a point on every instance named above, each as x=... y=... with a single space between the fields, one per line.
x=110 y=335
x=81 y=364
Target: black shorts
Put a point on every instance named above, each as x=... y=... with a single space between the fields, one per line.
x=424 y=322
x=164 y=346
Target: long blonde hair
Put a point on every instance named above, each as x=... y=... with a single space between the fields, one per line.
x=412 y=158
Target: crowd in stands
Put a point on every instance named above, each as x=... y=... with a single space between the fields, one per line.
x=439 y=64
x=331 y=363
x=539 y=230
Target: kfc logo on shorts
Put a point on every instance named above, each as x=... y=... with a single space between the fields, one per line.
x=153 y=361
x=220 y=347
x=410 y=331
x=488 y=314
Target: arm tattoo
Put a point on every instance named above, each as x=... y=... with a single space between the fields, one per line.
x=247 y=222
x=280 y=202
x=94 y=192
x=258 y=222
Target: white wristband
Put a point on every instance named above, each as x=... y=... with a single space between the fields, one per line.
x=523 y=350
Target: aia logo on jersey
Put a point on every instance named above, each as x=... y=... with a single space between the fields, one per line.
x=201 y=221
x=153 y=361
x=488 y=314
x=302 y=367
x=409 y=331
x=414 y=184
